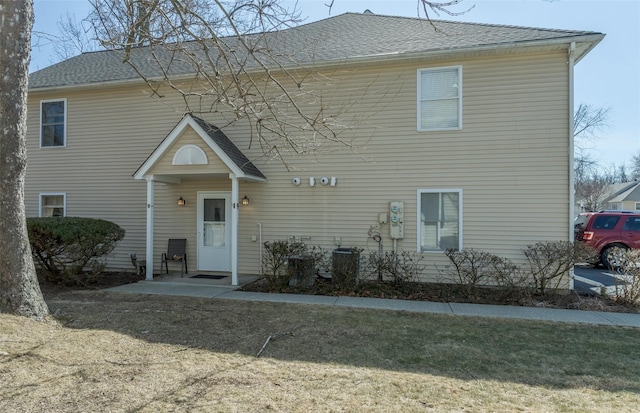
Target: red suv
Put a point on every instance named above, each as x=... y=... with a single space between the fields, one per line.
x=606 y=230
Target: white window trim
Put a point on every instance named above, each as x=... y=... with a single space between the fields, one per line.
x=419 y=100
x=66 y=115
x=419 y=218
x=64 y=201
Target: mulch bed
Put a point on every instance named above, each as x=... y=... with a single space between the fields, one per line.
x=437 y=292
x=443 y=292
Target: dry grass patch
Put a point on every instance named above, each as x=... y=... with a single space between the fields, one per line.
x=138 y=353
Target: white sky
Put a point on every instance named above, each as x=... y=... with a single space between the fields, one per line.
x=608 y=77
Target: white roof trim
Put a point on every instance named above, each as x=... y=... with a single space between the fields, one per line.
x=177 y=131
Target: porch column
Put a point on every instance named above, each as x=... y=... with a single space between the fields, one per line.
x=150 y=196
x=234 y=229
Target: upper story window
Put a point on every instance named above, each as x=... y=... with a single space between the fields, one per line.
x=439 y=219
x=440 y=98
x=53 y=205
x=53 y=123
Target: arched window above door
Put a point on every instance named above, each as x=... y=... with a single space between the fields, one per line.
x=190 y=155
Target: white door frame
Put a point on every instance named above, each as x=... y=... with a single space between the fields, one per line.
x=226 y=252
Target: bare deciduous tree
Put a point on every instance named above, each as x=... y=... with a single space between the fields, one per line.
x=425 y=5
x=72 y=38
x=244 y=66
x=19 y=290
x=588 y=123
x=234 y=52
x=635 y=166
x=590 y=182
x=592 y=192
x=593 y=182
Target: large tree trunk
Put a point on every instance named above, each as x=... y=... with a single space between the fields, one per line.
x=19 y=290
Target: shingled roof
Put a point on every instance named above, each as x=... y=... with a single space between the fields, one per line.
x=229 y=148
x=346 y=38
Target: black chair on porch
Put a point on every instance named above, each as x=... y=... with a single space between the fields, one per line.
x=176 y=252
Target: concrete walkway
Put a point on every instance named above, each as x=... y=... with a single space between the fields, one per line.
x=225 y=292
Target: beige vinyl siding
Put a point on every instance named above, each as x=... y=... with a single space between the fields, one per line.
x=109 y=134
x=510 y=160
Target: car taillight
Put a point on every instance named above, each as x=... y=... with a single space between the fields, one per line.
x=587 y=235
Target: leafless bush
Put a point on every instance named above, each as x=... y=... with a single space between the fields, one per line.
x=627 y=290
x=547 y=262
x=320 y=256
x=398 y=268
x=471 y=268
x=584 y=253
x=511 y=281
x=275 y=262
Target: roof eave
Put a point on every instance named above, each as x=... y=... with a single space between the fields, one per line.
x=588 y=42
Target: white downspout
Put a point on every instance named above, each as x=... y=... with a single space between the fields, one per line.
x=150 y=196
x=572 y=50
x=234 y=229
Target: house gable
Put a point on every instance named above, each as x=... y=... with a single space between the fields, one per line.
x=189 y=140
x=221 y=155
x=623 y=196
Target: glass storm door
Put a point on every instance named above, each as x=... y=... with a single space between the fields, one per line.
x=214 y=231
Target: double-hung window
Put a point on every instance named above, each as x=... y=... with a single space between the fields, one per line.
x=440 y=98
x=440 y=219
x=53 y=123
x=53 y=205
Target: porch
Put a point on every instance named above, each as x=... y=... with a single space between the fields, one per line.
x=187 y=286
x=205 y=278
x=197 y=151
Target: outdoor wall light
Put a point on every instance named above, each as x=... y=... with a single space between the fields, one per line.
x=182 y=201
x=246 y=200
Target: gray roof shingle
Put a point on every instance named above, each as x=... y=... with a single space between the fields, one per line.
x=340 y=39
x=229 y=148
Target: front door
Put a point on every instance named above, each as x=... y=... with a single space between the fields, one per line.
x=214 y=231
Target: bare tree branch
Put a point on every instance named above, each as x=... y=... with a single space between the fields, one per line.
x=442 y=7
x=588 y=123
x=240 y=71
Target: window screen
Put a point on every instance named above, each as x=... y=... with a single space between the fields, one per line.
x=440 y=220
x=439 y=98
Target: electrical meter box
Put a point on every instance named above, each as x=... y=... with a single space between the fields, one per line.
x=396 y=219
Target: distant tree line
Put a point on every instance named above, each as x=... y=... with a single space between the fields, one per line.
x=591 y=178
